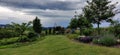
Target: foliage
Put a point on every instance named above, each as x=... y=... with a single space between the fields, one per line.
x=42 y=34
x=46 y=32
x=20 y=28
x=68 y=31
x=50 y=30
x=106 y=41
x=23 y=39
x=32 y=35
x=73 y=23
x=62 y=31
x=116 y=28
x=58 y=30
x=95 y=41
x=87 y=32
x=4 y=33
x=72 y=36
x=54 y=31
x=99 y=10
x=83 y=22
x=7 y=41
x=37 y=27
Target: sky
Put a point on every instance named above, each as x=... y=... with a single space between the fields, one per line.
x=48 y=11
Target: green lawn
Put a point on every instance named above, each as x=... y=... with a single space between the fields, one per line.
x=59 y=45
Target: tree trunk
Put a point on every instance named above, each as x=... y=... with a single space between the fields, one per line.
x=98 y=26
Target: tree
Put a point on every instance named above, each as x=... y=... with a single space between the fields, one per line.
x=37 y=27
x=20 y=28
x=115 y=28
x=83 y=23
x=54 y=30
x=99 y=10
x=50 y=30
x=46 y=31
x=73 y=23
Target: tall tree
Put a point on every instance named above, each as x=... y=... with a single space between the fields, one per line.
x=98 y=11
x=83 y=23
x=37 y=26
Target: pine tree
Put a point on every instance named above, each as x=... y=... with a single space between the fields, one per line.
x=37 y=27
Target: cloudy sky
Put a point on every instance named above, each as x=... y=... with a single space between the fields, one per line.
x=49 y=11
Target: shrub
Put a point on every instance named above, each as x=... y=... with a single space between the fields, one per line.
x=116 y=29
x=106 y=41
x=32 y=35
x=85 y=39
x=23 y=39
x=118 y=41
x=72 y=36
x=95 y=41
x=68 y=31
x=7 y=34
x=8 y=41
x=87 y=32
x=42 y=34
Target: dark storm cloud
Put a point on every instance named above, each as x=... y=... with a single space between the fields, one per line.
x=41 y=4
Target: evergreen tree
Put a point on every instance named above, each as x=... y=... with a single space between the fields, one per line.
x=99 y=10
x=46 y=31
x=50 y=30
x=54 y=30
x=37 y=27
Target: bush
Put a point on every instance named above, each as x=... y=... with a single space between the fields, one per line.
x=87 y=32
x=7 y=34
x=8 y=41
x=23 y=39
x=106 y=41
x=42 y=34
x=95 y=41
x=68 y=31
x=72 y=36
x=85 y=39
x=116 y=29
x=118 y=41
x=32 y=35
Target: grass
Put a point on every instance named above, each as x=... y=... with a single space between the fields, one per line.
x=59 y=45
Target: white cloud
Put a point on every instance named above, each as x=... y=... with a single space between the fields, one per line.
x=7 y=13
